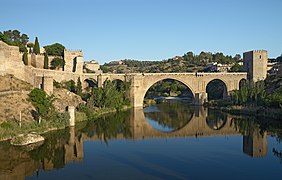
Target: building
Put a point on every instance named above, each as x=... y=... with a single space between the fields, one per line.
x=255 y=63
x=92 y=66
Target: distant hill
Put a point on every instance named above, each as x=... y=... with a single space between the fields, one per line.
x=189 y=62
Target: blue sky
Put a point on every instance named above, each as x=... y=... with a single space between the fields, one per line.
x=148 y=29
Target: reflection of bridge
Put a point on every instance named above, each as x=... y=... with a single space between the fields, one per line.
x=254 y=144
x=197 y=126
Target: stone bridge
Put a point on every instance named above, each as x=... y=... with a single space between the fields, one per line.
x=141 y=82
x=196 y=82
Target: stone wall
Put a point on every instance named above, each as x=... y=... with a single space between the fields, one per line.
x=10 y=61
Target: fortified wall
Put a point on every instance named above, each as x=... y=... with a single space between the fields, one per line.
x=11 y=62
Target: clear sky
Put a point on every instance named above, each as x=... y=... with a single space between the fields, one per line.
x=108 y=30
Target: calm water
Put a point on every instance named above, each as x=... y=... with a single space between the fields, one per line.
x=166 y=141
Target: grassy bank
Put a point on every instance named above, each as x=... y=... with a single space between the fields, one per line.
x=251 y=110
x=257 y=111
x=11 y=128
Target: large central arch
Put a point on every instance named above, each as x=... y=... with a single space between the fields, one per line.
x=151 y=83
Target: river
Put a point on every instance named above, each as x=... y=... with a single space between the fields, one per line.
x=170 y=140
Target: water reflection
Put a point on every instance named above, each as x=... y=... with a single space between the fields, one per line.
x=67 y=146
x=169 y=116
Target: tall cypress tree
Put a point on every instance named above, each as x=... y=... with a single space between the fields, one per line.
x=36 y=48
x=79 y=87
x=46 y=61
x=25 y=59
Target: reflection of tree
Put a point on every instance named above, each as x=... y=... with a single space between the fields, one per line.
x=247 y=126
x=277 y=153
x=111 y=126
x=172 y=114
x=215 y=119
x=53 y=148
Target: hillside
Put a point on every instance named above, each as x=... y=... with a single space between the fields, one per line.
x=189 y=62
x=14 y=94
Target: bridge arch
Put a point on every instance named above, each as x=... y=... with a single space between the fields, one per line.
x=149 y=84
x=118 y=83
x=242 y=82
x=90 y=83
x=216 y=89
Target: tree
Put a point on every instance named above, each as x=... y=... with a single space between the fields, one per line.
x=55 y=49
x=237 y=68
x=42 y=103
x=46 y=61
x=36 y=48
x=79 y=87
x=25 y=58
x=15 y=38
x=57 y=63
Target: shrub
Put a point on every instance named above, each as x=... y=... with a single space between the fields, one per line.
x=42 y=103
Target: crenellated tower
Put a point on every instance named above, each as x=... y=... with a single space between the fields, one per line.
x=73 y=61
x=255 y=63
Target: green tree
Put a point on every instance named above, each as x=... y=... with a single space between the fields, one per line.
x=79 y=87
x=46 y=61
x=36 y=48
x=42 y=103
x=57 y=63
x=55 y=49
x=25 y=58
x=14 y=38
x=237 y=68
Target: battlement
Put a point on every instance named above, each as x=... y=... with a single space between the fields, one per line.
x=73 y=52
x=256 y=51
x=260 y=51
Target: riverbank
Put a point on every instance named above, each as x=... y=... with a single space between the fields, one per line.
x=10 y=129
x=255 y=111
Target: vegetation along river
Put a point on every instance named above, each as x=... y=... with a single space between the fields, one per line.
x=170 y=140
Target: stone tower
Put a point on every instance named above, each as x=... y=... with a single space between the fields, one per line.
x=73 y=60
x=255 y=63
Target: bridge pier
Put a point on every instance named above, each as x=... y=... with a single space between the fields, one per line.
x=200 y=98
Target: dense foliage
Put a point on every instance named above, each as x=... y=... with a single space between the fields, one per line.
x=255 y=94
x=14 y=38
x=189 y=62
x=56 y=49
x=57 y=63
x=237 y=68
x=112 y=95
x=42 y=103
x=249 y=93
x=45 y=109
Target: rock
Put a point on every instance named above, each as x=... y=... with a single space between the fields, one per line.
x=26 y=139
